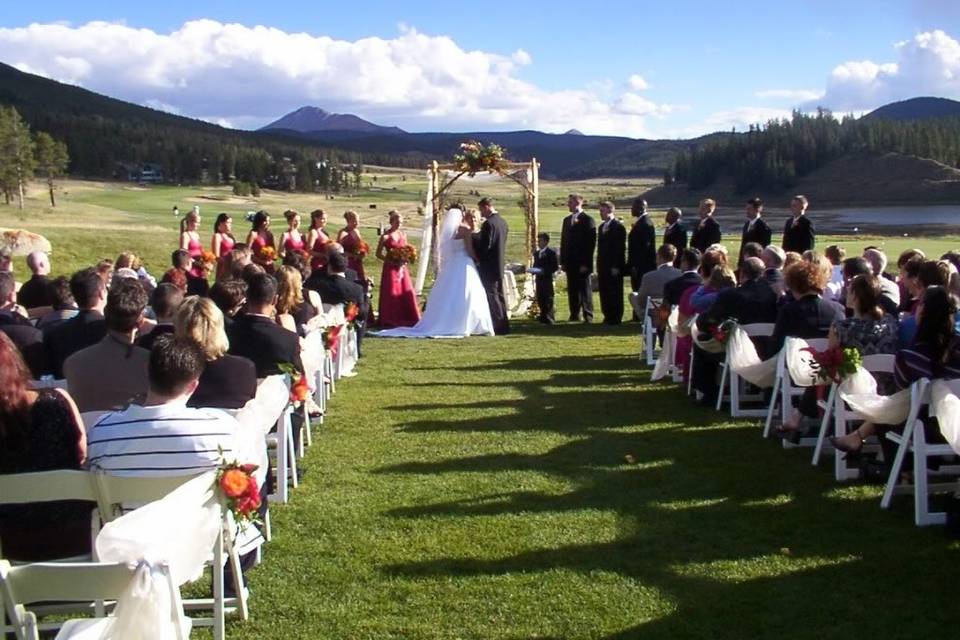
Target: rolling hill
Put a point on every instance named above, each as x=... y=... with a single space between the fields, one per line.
x=917 y=109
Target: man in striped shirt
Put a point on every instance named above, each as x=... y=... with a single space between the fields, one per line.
x=164 y=437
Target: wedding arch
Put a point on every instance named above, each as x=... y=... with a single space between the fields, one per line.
x=475 y=159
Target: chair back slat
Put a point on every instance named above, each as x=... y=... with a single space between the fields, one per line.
x=68 y=581
x=879 y=362
x=758 y=329
x=47 y=486
x=113 y=491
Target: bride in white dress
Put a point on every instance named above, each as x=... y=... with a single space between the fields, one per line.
x=457 y=305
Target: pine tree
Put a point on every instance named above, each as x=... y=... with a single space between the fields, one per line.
x=16 y=154
x=52 y=160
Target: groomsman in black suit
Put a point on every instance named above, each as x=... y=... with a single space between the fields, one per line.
x=675 y=233
x=754 y=229
x=641 y=245
x=611 y=245
x=547 y=264
x=578 y=239
x=708 y=229
x=799 y=234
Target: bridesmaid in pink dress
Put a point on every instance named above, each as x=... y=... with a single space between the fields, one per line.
x=259 y=239
x=317 y=240
x=398 y=301
x=353 y=244
x=189 y=237
x=291 y=240
x=222 y=243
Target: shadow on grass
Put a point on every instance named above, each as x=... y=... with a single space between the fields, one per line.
x=744 y=538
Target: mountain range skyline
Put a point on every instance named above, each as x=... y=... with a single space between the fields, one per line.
x=419 y=68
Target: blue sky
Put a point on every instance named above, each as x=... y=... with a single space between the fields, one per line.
x=631 y=68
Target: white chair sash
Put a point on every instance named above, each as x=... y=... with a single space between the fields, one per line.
x=860 y=392
x=743 y=359
x=178 y=530
x=946 y=407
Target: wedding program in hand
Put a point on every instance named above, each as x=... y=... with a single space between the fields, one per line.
x=457 y=306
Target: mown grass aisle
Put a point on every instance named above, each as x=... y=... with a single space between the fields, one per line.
x=538 y=485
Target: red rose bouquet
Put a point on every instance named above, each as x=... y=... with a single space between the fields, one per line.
x=835 y=364
x=240 y=490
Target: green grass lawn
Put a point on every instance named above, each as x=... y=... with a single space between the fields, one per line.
x=481 y=489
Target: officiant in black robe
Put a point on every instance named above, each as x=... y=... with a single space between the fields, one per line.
x=491 y=251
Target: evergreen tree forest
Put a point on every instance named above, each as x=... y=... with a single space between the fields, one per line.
x=774 y=156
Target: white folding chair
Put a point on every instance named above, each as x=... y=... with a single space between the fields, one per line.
x=281 y=443
x=914 y=439
x=753 y=330
x=649 y=349
x=75 y=582
x=49 y=486
x=836 y=408
x=785 y=389
x=116 y=493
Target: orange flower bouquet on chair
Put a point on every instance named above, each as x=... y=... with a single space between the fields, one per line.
x=240 y=490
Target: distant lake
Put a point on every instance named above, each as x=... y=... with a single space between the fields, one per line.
x=868 y=219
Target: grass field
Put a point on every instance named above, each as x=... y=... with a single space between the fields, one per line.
x=539 y=485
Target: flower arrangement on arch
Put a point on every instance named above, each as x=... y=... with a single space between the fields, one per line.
x=475 y=157
x=240 y=490
x=407 y=254
x=836 y=363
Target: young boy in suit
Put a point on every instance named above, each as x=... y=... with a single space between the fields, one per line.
x=545 y=265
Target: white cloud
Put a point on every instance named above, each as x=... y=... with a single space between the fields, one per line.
x=159 y=105
x=251 y=75
x=637 y=83
x=789 y=94
x=927 y=65
x=740 y=118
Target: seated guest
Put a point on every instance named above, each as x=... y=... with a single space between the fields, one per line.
x=194 y=440
x=704 y=295
x=934 y=353
x=89 y=290
x=338 y=288
x=256 y=336
x=39 y=431
x=13 y=322
x=773 y=259
x=791 y=258
x=890 y=299
x=835 y=254
x=35 y=291
x=227 y=382
x=852 y=268
x=869 y=330
x=198 y=278
x=929 y=273
x=177 y=274
x=128 y=260
x=105 y=270
x=751 y=302
x=61 y=301
x=229 y=295
x=806 y=314
x=652 y=283
x=164 y=302
x=113 y=372
x=908 y=297
x=689 y=277
x=298 y=261
x=293 y=312
x=251 y=271
x=751 y=250
x=239 y=257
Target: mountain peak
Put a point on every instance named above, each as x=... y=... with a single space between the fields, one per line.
x=309 y=118
x=574 y=132
x=917 y=109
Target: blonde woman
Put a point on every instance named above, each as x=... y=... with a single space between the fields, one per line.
x=227 y=382
x=291 y=240
x=293 y=312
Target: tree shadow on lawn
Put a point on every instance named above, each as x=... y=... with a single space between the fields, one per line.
x=744 y=538
x=599 y=363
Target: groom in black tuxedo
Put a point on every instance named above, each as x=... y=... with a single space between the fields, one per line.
x=578 y=239
x=491 y=250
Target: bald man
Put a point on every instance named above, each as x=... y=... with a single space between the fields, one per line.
x=35 y=292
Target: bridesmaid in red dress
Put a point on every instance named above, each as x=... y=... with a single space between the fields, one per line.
x=259 y=239
x=189 y=237
x=353 y=244
x=318 y=240
x=291 y=240
x=398 y=301
x=222 y=244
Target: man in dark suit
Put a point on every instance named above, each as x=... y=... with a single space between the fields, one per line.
x=491 y=260
x=751 y=302
x=82 y=331
x=35 y=292
x=798 y=233
x=611 y=245
x=641 y=245
x=578 y=238
x=708 y=229
x=165 y=300
x=675 y=233
x=335 y=287
x=254 y=335
x=754 y=229
x=27 y=338
x=547 y=264
x=689 y=263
